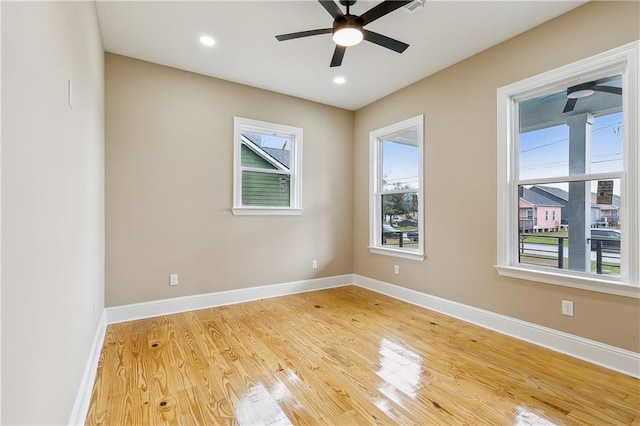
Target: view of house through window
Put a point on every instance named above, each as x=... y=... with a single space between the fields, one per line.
x=267 y=168
x=570 y=166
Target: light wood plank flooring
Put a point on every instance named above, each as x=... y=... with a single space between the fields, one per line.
x=340 y=357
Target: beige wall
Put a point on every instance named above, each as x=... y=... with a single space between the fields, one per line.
x=52 y=205
x=459 y=104
x=169 y=187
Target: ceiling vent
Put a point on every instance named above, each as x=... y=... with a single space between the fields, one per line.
x=414 y=5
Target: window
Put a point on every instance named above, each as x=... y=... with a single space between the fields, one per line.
x=568 y=141
x=396 y=198
x=267 y=168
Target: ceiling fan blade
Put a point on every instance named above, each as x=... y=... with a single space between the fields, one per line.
x=382 y=9
x=608 y=79
x=608 y=89
x=338 y=54
x=290 y=36
x=332 y=8
x=385 y=41
x=571 y=103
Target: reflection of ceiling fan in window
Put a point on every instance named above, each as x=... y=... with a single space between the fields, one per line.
x=584 y=90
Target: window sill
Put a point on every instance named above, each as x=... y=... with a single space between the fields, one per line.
x=585 y=283
x=405 y=254
x=265 y=211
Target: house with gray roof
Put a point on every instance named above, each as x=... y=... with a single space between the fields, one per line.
x=265 y=174
x=601 y=214
x=538 y=212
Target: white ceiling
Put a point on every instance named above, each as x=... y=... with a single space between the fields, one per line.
x=439 y=34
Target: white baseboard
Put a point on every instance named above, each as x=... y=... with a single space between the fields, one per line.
x=611 y=357
x=209 y=300
x=617 y=359
x=83 y=398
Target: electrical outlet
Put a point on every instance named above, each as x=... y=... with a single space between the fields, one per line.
x=567 y=308
x=396 y=269
x=173 y=279
x=314 y=264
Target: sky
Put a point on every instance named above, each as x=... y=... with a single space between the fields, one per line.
x=545 y=153
x=276 y=142
x=400 y=163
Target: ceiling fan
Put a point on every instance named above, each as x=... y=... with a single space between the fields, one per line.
x=587 y=89
x=348 y=30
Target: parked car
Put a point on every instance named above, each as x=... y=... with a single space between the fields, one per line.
x=407 y=222
x=413 y=235
x=609 y=238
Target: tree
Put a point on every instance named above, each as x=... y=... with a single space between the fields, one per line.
x=396 y=204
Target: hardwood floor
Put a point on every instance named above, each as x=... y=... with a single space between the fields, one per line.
x=343 y=356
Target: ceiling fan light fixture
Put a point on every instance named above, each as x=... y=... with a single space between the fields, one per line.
x=583 y=93
x=581 y=90
x=347 y=35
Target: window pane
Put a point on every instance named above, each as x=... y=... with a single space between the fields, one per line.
x=266 y=151
x=544 y=153
x=265 y=189
x=586 y=238
x=400 y=161
x=606 y=143
x=552 y=129
x=400 y=220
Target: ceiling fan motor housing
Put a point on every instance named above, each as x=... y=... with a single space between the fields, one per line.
x=347 y=21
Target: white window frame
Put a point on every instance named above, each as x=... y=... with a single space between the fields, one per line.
x=295 y=134
x=624 y=59
x=375 y=180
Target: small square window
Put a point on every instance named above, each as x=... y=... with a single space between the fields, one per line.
x=267 y=168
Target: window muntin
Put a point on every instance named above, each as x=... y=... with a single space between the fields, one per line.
x=575 y=167
x=267 y=168
x=396 y=190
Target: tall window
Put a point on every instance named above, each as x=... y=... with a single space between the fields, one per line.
x=569 y=142
x=396 y=211
x=267 y=168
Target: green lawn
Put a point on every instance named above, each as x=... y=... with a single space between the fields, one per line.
x=542 y=237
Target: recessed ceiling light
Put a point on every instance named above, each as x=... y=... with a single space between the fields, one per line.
x=207 y=40
x=339 y=80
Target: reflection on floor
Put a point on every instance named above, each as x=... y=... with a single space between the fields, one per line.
x=343 y=356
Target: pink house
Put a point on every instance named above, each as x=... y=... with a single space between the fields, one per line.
x=538 y=213
x=609 y=214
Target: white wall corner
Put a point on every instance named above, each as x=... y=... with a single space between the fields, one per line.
x=83 y=398
x=611 y=357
